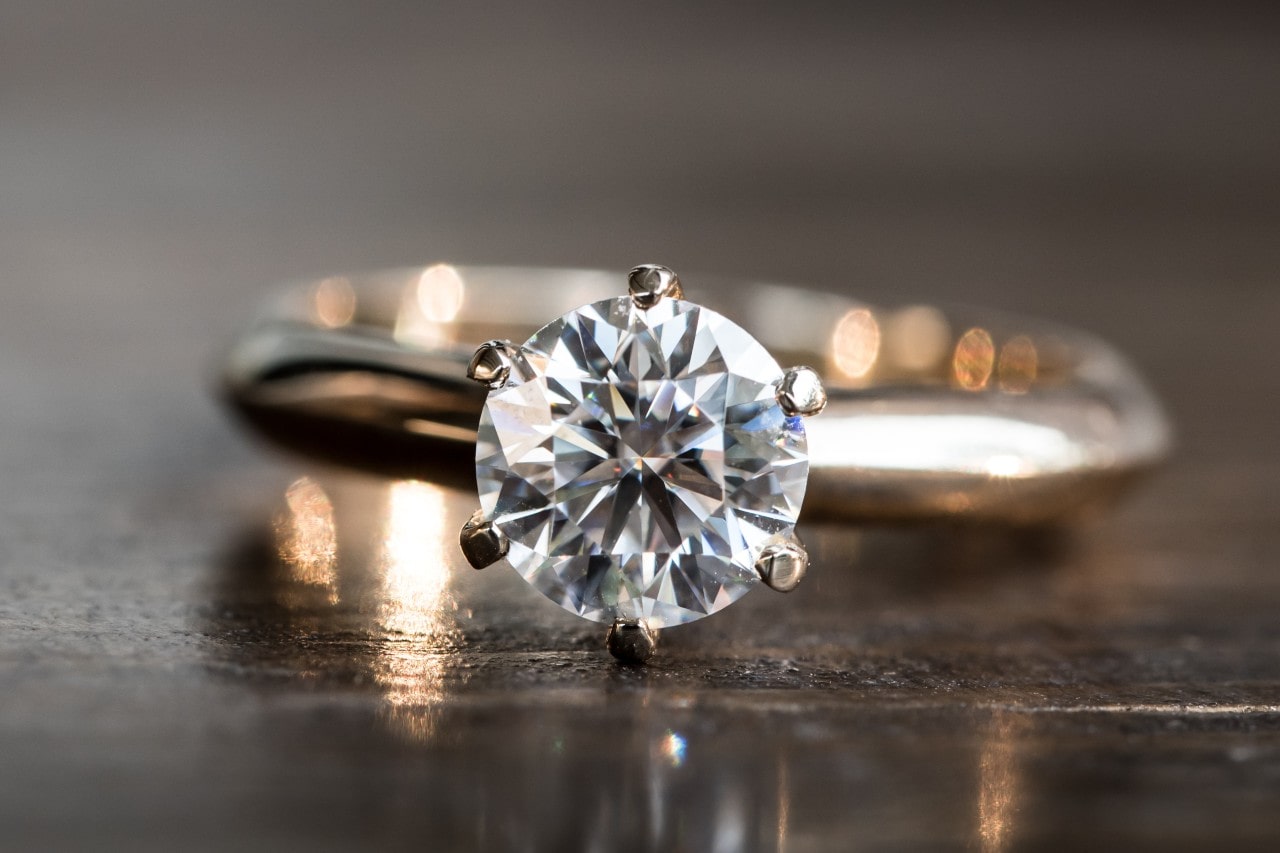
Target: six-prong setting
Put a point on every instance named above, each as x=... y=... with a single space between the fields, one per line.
x=491 y=364
x=801 y=392
x=482 y=543
x=782 y=564
x=631 y=641
x=605 y=426
x=651 y=283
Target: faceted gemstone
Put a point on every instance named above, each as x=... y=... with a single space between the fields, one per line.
x=638 y=461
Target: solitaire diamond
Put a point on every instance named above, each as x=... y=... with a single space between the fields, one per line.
x=637 y=461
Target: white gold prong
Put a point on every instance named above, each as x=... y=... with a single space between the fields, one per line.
x=649 y=283
x=482 y=543
x=782 y=564
x=491 y=364
x=800 y=392
x=631 y=641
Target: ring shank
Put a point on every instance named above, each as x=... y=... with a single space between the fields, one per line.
x=931 y=415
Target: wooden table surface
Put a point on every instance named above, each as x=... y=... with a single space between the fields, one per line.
x=168 y=682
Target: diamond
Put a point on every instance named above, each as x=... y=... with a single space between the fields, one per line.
x=638 y=461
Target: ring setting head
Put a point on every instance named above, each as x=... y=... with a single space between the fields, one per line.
x=491 y=364
x=649 y=284
x=641 y=461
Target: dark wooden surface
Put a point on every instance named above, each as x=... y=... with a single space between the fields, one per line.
x=167 y=683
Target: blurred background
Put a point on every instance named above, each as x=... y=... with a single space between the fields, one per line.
x=177 y=670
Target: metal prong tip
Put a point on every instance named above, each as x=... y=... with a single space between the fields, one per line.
x=649 y=283
x=801 y=392
x=491 y=364
x=782 y=565
x=482 y=543
x=631 y=641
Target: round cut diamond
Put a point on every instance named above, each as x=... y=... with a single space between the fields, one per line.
x=638 y=461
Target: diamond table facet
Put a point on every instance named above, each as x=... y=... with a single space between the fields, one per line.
x=638 y=461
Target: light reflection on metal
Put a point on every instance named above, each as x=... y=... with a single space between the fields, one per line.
x=441 y=293
x=855 y=344
x=416 y=605
x=968 y=444
x=420 y=426
x=333 y=304
x=1007 y=465
x=974 y=359
x=1109 y=423
x=307 y=538
x=998 y=783
x=1019 y=363
x=431 y=304
x=916 y=339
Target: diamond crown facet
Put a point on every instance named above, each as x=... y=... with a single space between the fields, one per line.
x=637 y=461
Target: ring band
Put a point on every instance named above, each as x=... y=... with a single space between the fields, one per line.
x=931 y=414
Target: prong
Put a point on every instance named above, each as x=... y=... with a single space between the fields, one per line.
x=482 y=543
x=631 y=641
x=801 y=393
x=649 y=283
x=491 y=364
x=782 y=564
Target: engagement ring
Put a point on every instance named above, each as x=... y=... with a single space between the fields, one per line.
x=642 y=459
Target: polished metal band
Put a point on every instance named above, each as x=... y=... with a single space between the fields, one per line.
x=931 y=414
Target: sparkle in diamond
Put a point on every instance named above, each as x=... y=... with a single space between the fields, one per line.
x=638 y=461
